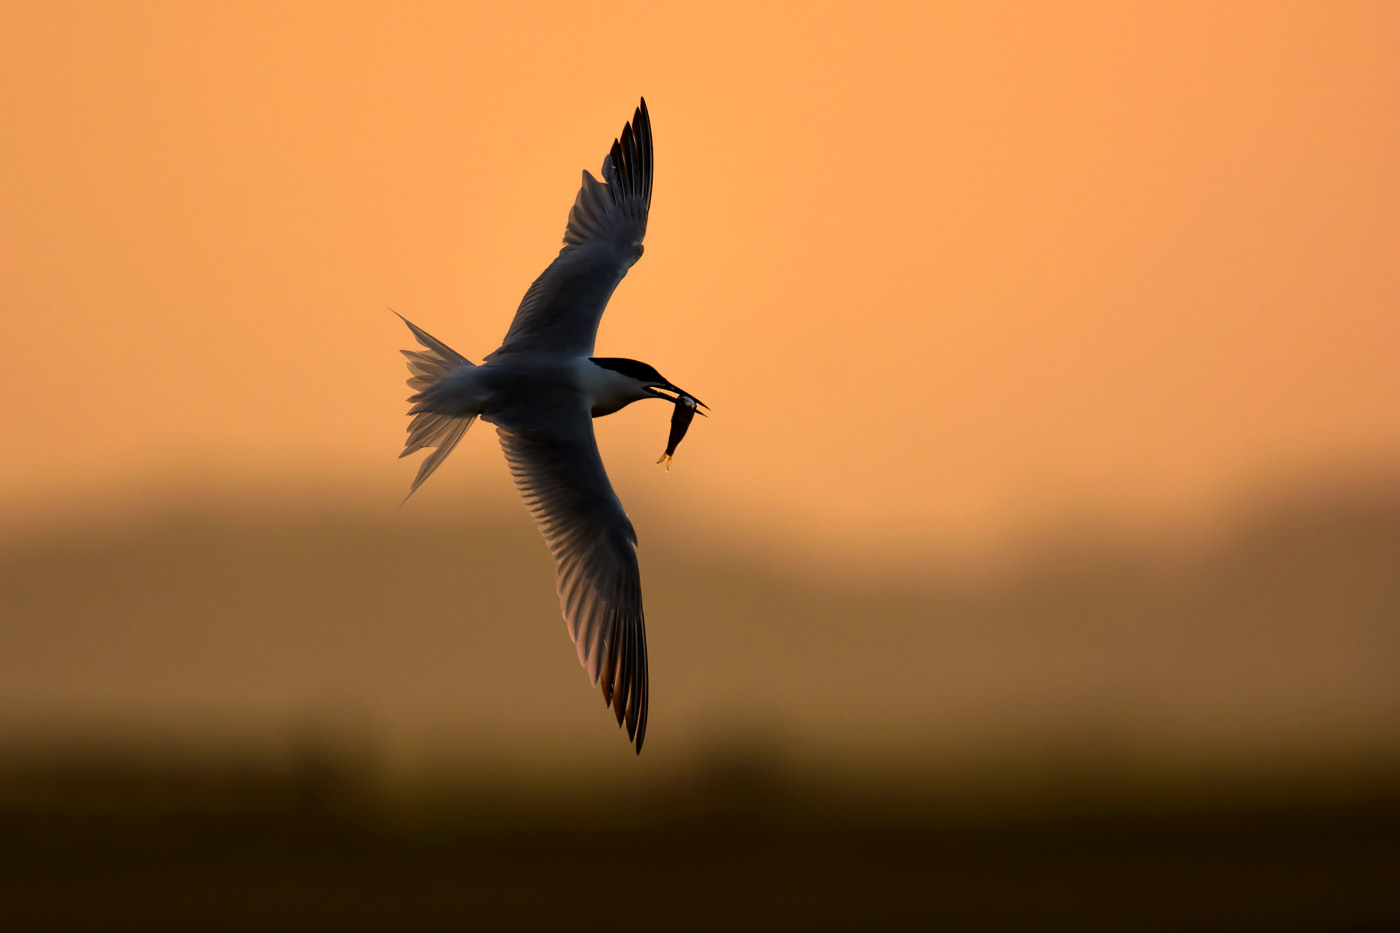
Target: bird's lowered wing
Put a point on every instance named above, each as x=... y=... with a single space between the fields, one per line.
x=560 y=475
x=561 y=311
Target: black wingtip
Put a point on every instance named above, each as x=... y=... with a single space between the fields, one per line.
x=632 y=156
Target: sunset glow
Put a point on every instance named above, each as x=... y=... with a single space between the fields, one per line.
x=944 y=271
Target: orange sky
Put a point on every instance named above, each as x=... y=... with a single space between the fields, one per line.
x=941 y=270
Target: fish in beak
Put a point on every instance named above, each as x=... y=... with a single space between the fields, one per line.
x=685 y=412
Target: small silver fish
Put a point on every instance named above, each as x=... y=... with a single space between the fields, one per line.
x=680 y=423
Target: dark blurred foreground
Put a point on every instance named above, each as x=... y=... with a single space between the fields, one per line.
x=313 y=842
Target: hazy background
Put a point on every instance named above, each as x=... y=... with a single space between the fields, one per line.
x=1055 y=458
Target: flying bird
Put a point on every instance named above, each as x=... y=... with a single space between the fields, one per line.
x=542 y=388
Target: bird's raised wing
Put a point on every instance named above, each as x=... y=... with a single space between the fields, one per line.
x=561 y=311
x=560 y=475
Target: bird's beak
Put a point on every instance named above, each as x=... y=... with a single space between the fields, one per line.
x=680 y=392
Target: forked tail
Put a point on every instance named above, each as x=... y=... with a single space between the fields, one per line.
x=430 y=429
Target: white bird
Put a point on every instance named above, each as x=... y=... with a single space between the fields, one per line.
x=542 y=388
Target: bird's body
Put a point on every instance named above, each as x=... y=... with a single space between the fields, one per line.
x=494 y=388
x=541 y=389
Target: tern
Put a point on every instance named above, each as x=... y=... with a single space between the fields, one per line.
x=542 y=388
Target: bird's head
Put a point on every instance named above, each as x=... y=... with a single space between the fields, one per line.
x=647 y=381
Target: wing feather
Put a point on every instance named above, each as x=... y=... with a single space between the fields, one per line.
x=602 y=239
x=561 y=478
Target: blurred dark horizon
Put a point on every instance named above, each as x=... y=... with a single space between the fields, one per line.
x=1275 y=635
x=312 y=717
